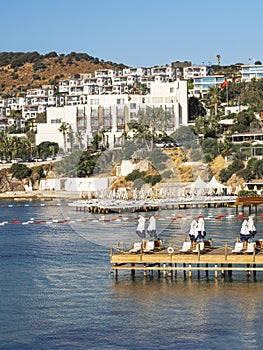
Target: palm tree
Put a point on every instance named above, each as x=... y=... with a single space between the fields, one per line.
x=79 y=138
x=218 y=58
x=71 y=138
x=214 y=97
x=64 y=128
x=5 y=147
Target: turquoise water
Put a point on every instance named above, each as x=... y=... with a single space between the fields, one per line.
x=57 y=291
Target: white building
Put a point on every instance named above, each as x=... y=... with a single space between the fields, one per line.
x=251 y=71
x=195 y=71
x=111 y=113
x=202 y=84
x=37 y=100
x=91 y=184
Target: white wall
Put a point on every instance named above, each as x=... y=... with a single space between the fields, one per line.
x=76 y=184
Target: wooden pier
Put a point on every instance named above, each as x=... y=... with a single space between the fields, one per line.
x=120 y=206
x=219 y=260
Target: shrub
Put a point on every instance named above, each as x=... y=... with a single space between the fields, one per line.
x=168 y=174
x=39 y=65
x=20 y=171
x=247 y=194
x=135 y=174
x=15 y=76
x=138 y=183
x=40 y=171
x=153 y=179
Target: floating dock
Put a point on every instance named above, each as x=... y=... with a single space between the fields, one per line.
x=219 y=260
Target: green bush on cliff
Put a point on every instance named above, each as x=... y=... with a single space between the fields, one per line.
x=20 y=171
x=135 y=174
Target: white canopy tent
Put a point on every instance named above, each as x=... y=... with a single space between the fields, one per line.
x=197 y=187
x=214 y=186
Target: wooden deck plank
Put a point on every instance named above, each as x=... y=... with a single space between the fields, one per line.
x=216 y=256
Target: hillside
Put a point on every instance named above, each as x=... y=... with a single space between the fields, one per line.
x=20 y=71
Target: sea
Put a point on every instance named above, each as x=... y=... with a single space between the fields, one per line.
x=57 y=290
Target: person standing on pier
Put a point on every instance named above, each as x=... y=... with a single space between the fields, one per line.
x=140 y=230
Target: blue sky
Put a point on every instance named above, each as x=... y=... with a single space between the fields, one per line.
x=136 y=32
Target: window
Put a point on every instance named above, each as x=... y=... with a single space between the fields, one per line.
x=106 y=122
x=120 y=121
x=94 y=101
x=133 y=115
x=120 y=111
x=56 y=121
x=106 y=112
x=80 y=123
x=132 y=105
x=94 y=122
x=171 y=90
x=94 y=112
x=80 y=112
x=120 y=101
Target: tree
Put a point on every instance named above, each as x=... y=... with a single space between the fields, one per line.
x=195 y=108
x=87 y=164
x=20 y=171
x=214 y=98
x=183 y=135
x=245 y=121
x=64 y=129
x=47 y=148
x=79 y=138
x=218 y=58
x=41 y=117
x=71 y=138
x=5 y=147
x=151 y=120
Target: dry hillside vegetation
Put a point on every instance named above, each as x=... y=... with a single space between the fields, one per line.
x=16 y=78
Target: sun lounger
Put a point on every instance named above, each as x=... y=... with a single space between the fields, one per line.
x=149 y=247
x=199 y=247
x=186 y=248
x=136 y=248
x=250 y=247
x=239 y=246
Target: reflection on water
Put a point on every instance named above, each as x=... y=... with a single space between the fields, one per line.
x=227 y=315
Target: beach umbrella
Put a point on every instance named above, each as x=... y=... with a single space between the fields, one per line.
x=201 y=228
x=151 y=230
x=193 y=230
x=244 y=232
x=251 y=227
x=140 y=230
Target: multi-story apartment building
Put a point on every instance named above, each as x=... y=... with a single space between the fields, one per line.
x=37 y=100
x=109 y=81
x=251 y=71
x=202 y=84
x=110 y=113
x=196 y=71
